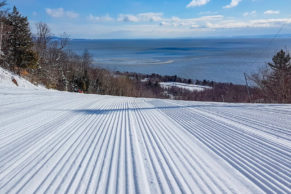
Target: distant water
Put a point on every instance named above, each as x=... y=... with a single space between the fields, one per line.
x=223 y=60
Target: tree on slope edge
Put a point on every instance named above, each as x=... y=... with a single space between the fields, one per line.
x=19 y=48
x=275 y=80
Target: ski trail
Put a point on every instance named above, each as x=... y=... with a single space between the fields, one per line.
x=60 y=142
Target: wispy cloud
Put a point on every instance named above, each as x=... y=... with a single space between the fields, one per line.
x=105 y=18
x=171 y=27
x=142 y=17
x=127 y=18
x=152 y=17
x=251 y=13
x=271 y=12
x=262 y=23
x=195 y=3
x=71 y=14
x=56 y=13
x=60 y=12
x=233 y=3
x=190 y=22
x=209 y=22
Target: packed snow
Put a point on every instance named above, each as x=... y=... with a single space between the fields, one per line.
x=190 y=87
x=60 y=142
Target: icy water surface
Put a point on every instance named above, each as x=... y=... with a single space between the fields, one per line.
x=223 y=60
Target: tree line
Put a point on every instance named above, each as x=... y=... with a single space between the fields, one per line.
x=44 y=59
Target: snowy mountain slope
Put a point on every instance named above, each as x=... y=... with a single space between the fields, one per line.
x=64 y=142
x=6 y=78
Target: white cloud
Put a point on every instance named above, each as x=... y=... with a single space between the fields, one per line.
x=142 y=17
x=157 y=25
x=271 y=12
x=220 y=22
x=252 y=13
x=173 y=27
x=190 y=22
x=72 y=14
x=60 y=12
x=233 y=3
x=262 y=23
x=152 y=17
x=195 y=3
x=56 y=13
x=127 y=18
x=105 y=18
x=173 y=21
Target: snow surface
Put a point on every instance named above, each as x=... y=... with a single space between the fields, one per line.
x=190 y=87
x=60 y=142
x=145 y=80
x=6 y=78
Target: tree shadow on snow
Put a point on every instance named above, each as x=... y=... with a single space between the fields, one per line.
x=166 y=107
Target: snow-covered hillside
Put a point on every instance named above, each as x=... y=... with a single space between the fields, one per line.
x=74 y=143
x=190 y=87
x=6 y=80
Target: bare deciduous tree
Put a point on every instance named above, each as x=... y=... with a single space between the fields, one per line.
x=42 y=39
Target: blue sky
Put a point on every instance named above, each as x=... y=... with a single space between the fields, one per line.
x=98 y=19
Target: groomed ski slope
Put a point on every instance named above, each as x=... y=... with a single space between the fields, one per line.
x=74 y=143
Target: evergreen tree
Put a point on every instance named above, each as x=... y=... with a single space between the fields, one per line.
x=19 y=45
x=280 y=78
x=275 y=80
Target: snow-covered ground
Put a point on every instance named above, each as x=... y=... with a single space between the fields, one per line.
x=6 y=78
x=190 y=87
x=64 y=142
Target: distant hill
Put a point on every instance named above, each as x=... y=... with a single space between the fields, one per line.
x=266 y=36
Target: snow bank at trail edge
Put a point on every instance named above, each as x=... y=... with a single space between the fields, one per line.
x=6 y=78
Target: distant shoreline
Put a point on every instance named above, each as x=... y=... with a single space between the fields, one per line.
x=187 y=38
